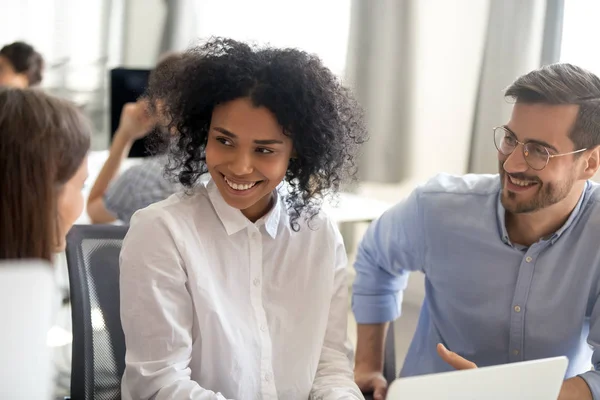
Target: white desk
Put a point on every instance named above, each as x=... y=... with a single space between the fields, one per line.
x=354 y=208
x=348 y=207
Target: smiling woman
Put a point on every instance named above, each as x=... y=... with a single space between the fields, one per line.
x=266 y=94
x=247 y=166
x=245 y=274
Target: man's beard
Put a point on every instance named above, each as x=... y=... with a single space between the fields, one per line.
x=547 y=194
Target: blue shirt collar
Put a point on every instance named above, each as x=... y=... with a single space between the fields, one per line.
x=501 y=212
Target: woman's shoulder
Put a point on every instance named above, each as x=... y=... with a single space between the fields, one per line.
x=178 y=206
x=173 y=220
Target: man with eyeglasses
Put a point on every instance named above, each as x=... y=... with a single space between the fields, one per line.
x=511 y=261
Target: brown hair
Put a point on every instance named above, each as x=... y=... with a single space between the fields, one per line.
x=25 y=60
x=43 y=141
x=569 y=85
x=165 y=67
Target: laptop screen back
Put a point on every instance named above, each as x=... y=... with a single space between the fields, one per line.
x=528 y=380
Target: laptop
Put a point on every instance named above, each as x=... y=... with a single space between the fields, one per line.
x=527 y=380
x=28 y=300
x=126 y=86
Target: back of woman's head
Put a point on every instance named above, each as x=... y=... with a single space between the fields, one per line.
x=24 y=60
x=43 y=142
x=314 y=109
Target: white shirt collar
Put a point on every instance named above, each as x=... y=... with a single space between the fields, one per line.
x=234 y=221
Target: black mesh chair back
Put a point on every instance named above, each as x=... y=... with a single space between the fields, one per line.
x=98 y=357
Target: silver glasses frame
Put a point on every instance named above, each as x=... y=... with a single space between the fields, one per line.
x=550 y=156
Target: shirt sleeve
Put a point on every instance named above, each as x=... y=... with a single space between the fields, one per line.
x=393 y=246
x=136 y=188
x=334 y=379
x=120 y=198
x=156 y=314
x=592 y=377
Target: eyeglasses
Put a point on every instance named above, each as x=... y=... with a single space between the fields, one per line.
x=535 y=154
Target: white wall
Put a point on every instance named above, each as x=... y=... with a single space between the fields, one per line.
x=143 y=30
x=316 y=26
x=282 y=24
x=447 y=52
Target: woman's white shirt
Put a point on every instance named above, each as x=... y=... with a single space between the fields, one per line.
x=214 y=306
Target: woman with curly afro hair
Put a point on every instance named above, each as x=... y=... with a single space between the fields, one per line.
x=236 y=289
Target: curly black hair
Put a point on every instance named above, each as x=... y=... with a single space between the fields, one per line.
x=316 y=111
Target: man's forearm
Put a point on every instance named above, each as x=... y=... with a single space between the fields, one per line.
x=370 y=346
x=575 y=389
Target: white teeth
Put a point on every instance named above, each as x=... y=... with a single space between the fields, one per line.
x=239 y=186
x=520 y=182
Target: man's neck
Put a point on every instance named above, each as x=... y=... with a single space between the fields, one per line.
x=527 y=229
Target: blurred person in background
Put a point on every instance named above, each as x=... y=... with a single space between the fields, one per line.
x=20 y=65
x=117 y=197
x=44 y=142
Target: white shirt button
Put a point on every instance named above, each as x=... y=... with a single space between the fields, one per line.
x=255 y=235
x=256 y=282
x=263 y=328
x=528 y=259
x=267 y=377
x=517 y=309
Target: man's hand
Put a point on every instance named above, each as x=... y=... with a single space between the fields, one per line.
x=575 y=389
x=136 y=121
x=371 y=381
x=453 y=359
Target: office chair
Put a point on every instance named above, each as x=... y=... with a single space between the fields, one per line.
x=98 y=359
